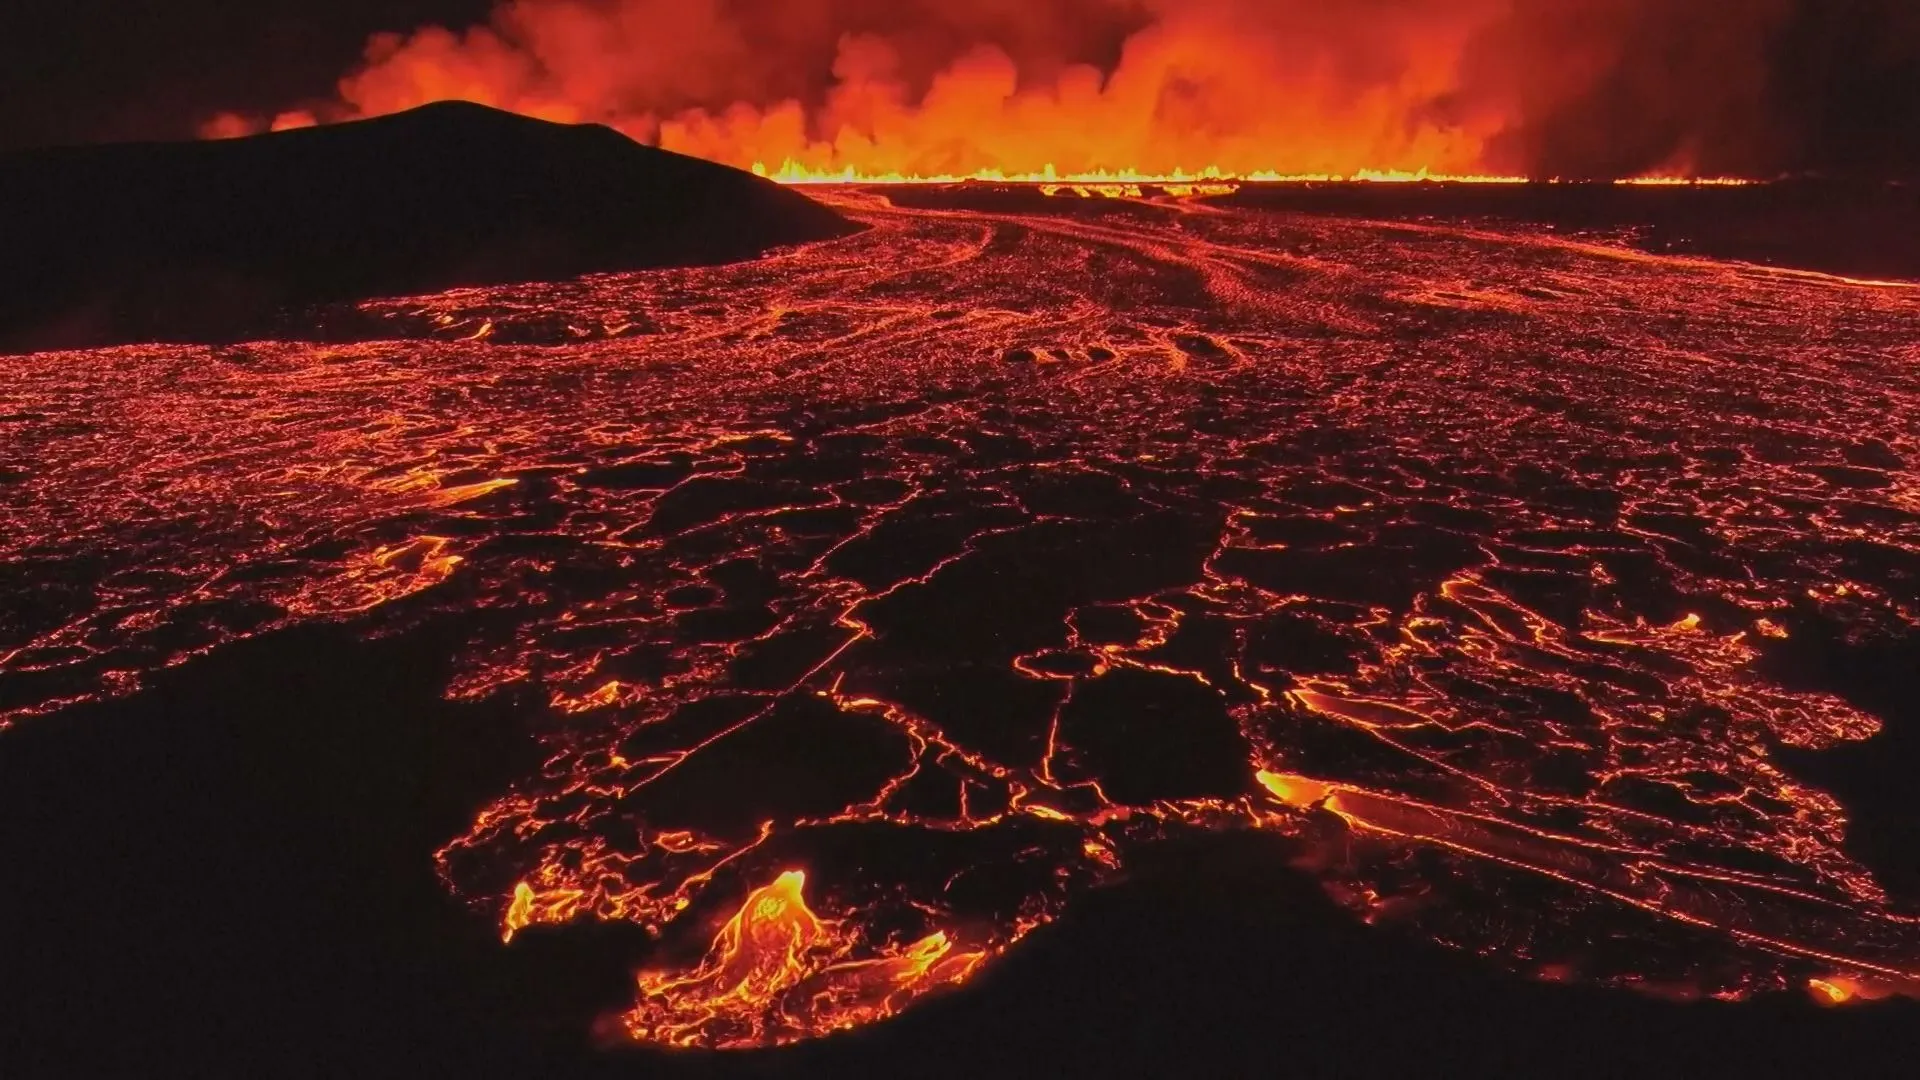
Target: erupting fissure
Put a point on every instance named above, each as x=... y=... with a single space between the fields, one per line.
x=1124 y=90
x=793 y=172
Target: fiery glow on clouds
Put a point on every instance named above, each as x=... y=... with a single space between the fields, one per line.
x=933 y=87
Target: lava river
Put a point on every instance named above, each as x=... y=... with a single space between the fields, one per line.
x=874 y=600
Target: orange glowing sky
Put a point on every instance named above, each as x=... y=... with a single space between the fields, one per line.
x=1083 y=87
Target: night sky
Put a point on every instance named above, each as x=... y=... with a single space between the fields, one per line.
x=89 y=70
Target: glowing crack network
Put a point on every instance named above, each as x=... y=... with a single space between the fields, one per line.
x=874 y=599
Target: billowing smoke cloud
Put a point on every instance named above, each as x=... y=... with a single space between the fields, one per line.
x=1542 y=87
x=1606 y=86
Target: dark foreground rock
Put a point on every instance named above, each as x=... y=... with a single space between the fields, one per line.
x=204 y=240
x=231 y=875
x=1848 y=226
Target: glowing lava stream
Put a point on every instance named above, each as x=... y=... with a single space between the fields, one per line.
x=778 y=973
x=793 y=172
x=1689 y=900
x=954 y=562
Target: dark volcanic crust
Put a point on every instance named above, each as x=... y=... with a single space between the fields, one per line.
x=1837 y=226
x=196 y=241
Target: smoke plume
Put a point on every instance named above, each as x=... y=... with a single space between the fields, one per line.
x=1540 y=87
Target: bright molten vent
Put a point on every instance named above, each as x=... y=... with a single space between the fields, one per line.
x=778 y=973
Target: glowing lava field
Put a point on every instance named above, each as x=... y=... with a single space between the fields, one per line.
x=875 y=600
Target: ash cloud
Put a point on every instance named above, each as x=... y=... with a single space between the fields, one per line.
x=1542 y=87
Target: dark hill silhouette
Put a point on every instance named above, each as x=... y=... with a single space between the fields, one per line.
x=205 y=240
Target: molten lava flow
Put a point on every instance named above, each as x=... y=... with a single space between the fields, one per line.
x=961 y=560
x=793 y=172
x=778 y=973
x=1684 y=181
x=1847 y=989
x=380 y=576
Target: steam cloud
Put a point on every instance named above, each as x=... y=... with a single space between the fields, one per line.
x=1541 y=87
